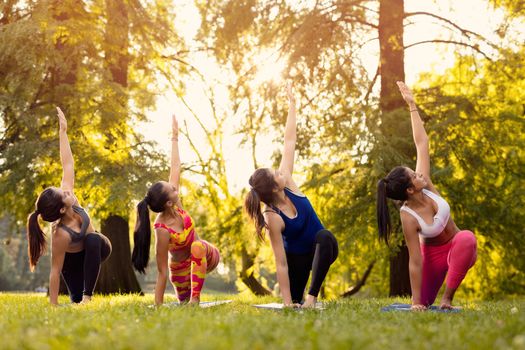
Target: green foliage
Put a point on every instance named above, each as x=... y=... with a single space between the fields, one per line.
x=515 y=8
x=61 y=54
x=122 y=321
x=346 y=143
x=476 y=122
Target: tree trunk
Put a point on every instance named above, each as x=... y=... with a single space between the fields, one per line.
x=248 y=278
x=116 y=275
x=66 y=72
x=391 y=54
x=117 y=41
x=391 y=13
x=399 y=276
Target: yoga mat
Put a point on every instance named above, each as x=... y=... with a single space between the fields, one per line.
x=279 y=306
x=205 y=304
x=202 y=304
x=406 y=307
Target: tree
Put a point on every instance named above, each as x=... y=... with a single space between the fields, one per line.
x=362 y=131
x=63 y=53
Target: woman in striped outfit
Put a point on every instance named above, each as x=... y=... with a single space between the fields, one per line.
x=176 y=243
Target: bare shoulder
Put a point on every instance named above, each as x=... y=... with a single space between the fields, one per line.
x=273 y=219
x=408 y=221
x=59 y=237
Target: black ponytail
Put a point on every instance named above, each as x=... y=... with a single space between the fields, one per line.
x=393 y=186
x=141 y=238
x=37 y=240
x=383 y=215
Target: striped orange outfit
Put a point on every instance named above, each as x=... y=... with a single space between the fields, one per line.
x=187 y=276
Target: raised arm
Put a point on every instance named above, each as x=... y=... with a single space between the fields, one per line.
x=66 y=156
x=175 y=157
x=290 y=137
x=418 y=132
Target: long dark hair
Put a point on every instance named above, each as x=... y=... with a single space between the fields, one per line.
x=156 y=200
x=393 y=186
x=262 y=185
x=48 y=206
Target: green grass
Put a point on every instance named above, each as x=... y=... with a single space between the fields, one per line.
x=127 y=322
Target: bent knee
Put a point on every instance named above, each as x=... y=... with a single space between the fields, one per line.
x=92 y=240
x=325 y=237
x=467 y=239
x=198 y=250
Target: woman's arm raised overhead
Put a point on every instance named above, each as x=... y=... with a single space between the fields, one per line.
x=175 y=164
x=66 y=156
x=418 y=132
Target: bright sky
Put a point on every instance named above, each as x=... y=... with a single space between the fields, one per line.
x=474 y=15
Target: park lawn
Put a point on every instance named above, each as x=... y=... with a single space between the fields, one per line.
x=128 y=322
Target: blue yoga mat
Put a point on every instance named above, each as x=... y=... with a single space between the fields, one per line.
x=406 y=307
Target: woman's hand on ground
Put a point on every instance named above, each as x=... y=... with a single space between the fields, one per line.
x=291 y=306
x=418 y=307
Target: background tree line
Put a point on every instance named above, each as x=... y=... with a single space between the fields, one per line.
x=106 y=61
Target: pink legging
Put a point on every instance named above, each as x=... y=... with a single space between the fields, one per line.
x=456 y=257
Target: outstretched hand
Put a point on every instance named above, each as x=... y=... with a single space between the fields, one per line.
x=174 y=126
x=289 y=91
x=61 y=120
x=405 y=92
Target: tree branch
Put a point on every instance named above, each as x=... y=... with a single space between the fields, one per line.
x=463 y=31
x=435 y=41
x=361 y=282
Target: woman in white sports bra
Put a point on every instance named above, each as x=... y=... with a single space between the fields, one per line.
x=436 y=246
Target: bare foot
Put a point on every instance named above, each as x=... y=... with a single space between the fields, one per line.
x=446 y=304
x=86 y=299
x=194 y=301
x=309 y=302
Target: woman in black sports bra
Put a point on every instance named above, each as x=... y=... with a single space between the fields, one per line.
x=76 y=249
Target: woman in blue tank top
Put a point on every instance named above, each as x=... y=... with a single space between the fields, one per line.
x=299 y=240
x=77 y=251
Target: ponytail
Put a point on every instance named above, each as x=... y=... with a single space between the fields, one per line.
x=252 y=205
x=383 y=215
x=141 y=238
x=37 y=240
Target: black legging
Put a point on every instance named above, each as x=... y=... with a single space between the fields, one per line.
x=80 y=270
x=319 y=261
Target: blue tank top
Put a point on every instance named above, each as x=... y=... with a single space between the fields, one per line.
x=299 y=232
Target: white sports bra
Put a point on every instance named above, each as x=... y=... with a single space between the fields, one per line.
x=440 y=219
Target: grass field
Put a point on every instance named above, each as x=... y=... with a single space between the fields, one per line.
x=127 y=322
